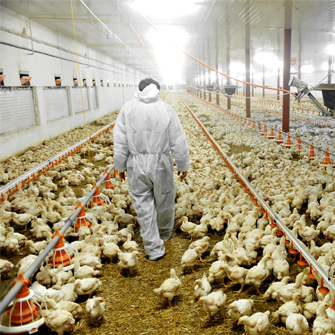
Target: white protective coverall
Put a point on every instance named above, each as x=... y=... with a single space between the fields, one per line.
x=146 y=131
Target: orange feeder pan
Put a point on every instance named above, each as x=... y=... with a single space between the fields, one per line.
x=299 y=146
x=279 y=232
x=272 y=134
x=311 y=154
x=292 y=251
x=23 y=311
x=108 y=182
x=326 y=160
x=310 y=274
x=288 y=142
x=98 y=198
x=61 y=255
x=81 y=220
x=301 y=261
x=322 y=289
x=265 y=130
x=279 y=138
x=272 y=224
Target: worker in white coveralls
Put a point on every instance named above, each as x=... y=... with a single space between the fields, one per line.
x=146 y=131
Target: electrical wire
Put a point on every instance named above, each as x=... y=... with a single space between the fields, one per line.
x=116 y=37
x=81 y=88
x=199 y=61
x=118 y=17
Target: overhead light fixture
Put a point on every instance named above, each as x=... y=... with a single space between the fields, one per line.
x=168 y=35
x=307 y=68
x=268 y=59
x=324 y=66
x=167 y=9
x=330 y=49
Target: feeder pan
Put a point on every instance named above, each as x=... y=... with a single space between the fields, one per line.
x=299 y=146
x=286 y=241
x=272 y=135
x=310 y=274
x=265 y=130
x=288 y=142
x=279 y=138
x=23 y=313
x=229 y=90
x=98 y=198
x=108 y=182
x=82 y=220
x=292 y=251
x=61 y=255
x=272 y=224
x=301 y=261
x=279 y=232
x=311 y=154
x=322 y=289
x=326 y=160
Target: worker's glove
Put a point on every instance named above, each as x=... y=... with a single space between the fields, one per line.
x=183 y=174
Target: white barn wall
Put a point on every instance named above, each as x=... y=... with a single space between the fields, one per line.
x=42 y=68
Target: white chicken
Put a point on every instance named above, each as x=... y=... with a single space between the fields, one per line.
x=288 y=308
x=85 y=271
x=296 y=324
x=190 y=258
x=239 y=308
x=59 y=321
x=213 y=303
x=169 y=288
x=202 y=287
x=129 y=245
x=128 y=260
x=95 y=307
x=86 y=286
x=256 y=324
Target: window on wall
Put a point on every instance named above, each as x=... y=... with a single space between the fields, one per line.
x=58 y=80
x=2 y=77
x=24 y=78
x=101 y=82
x=84 y=82
x=94 y=82
x=75 y=82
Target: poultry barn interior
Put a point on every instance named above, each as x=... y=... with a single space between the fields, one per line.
x=253 y=245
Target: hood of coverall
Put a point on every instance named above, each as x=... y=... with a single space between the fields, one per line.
x=149 y=94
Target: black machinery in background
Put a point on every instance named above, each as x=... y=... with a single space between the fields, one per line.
x=228 y=90
x=328 y=94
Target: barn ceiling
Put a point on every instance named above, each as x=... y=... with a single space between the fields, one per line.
x=206 y=29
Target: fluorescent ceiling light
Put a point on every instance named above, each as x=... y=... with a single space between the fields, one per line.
x=307 y=68
x=213 y=75
x=268 y=59
x=324 y=66
x=168 y=35
x=236 y=68
x=166 y=9
x=170 y=60
x=330 y=50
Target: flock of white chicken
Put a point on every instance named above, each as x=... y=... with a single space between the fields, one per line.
x=40 y=210
x=210 y=200
x=212 y=195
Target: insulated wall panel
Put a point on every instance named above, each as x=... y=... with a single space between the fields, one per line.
x=94 y=97
x=56 y=103
x=77 y=101
x=17 y=110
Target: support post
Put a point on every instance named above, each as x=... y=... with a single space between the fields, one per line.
x=287 y=66
x=263 y=83
x=247 y=67
x=228 y=59
x=329 y=69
